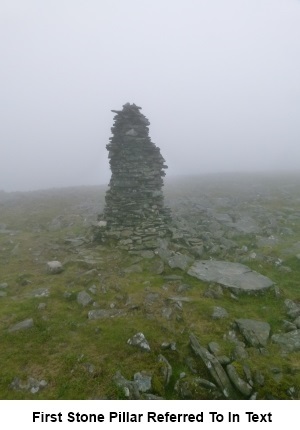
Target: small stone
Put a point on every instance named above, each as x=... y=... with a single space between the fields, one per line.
x=23 y=325
x=219 y=313
x=42 y=306
x=83 y=298
x=54 y=267
x=140 y=341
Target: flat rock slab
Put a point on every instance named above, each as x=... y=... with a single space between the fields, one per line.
x=233 y=275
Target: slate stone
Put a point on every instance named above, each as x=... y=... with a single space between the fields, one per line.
x=165 y=369
x=233 y=275
x=134 y=199
x=214 y=367
x=240 y=384
x=256 y=333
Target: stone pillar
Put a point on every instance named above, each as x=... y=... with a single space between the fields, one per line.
x=134 y=211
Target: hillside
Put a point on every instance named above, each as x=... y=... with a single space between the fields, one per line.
x=114 y=323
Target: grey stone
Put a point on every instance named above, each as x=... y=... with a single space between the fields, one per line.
x=54 y=267
x=83 y=298
x=129 y=388
x=40 y=292
x=23 y=325
x=240 y=384
x=105 y=313
x=289 y=326
x=233 y=275
x=256 y=333
x=214 y=348
x=142 y=381
x=289 y=342
x=219 y=313
x=157 y=267
x=180 y=261
x=42 y=306
x=214 y=292
x=147 y=254
x=214 y=367
x=167 y=312
x=140 y=341
x=3 y=285
x=239 y=353
x=293 y=309
x=33 y=385
x=135 y=268
x=165 y=369
x=297 y=322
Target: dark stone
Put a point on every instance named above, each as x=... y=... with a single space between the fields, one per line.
x=134 y=200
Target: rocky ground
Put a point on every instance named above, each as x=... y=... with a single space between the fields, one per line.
x=213 y=312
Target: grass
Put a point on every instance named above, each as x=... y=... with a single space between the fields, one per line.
x=78 y=357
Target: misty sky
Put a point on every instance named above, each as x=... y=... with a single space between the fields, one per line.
x=219 y=81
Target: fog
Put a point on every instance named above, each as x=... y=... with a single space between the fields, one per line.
x=218 y=81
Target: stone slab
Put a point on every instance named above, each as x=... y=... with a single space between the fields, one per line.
x=233 y=275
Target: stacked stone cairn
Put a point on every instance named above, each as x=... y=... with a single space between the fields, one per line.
x=134 y=213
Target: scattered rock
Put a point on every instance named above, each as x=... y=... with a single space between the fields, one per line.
x=105 y=313
x=180 y=261
x=135 y=268
x=32 y=385
x=142 y=381
x=289 y=342
x=83 y=298
x=54 y=267
x=256 y=333
x=23 y=325
x=129 y=388
x=165 y=369
x=240 y=384
x=214 y=367
x=219 y=313
x=140 y=341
